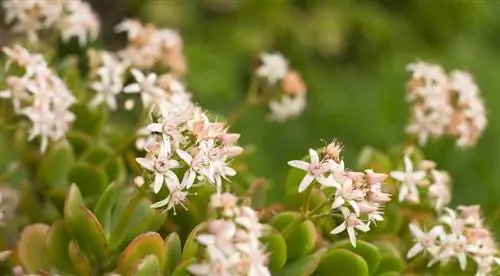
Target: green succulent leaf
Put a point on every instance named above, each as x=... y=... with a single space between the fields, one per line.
x=55 y=166
x=31 y=247
x=91 y=180
x=191 y=246
x=343 y=262
x=173 y=251
x=369 y=252
x=390 y=273
x=182 y=269
x=79 y=260
x=391 y=259
x=372 y=158
x=104 y=206
x=148 y=266
x=276 y=246
x=302 y=267
x=146 y=244
x=89 y=120
x=392 y=223
x=57 y=246
x=114 y=166
x=302 y=240
x=83 y=226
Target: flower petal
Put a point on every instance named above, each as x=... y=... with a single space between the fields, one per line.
x=417 y=248
x=339 y=228
x=299 y=164
x=314 y=156
x=306 y=181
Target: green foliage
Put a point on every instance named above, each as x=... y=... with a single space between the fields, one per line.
x=343 y=262
x=276 y=244
x=369 y=252
x=145 y=245
x=32 y=248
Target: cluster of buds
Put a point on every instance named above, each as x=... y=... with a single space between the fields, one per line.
x=291 y=101
x=73 y=18
x=108 y=72
x=149 y=46
x=426 y=181
x=232 y=242
x=39 y=94
x=183 y=141
x=358 y=196
x=459 y=235
x=444 y=105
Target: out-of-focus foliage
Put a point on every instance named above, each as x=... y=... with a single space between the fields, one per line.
x=352 y=55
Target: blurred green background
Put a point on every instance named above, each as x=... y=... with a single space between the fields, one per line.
x=352 y=55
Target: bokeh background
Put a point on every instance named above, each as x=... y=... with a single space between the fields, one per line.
x=352 y=54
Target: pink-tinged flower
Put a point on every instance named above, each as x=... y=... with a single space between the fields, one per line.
x=351 y=224
x=375 y=193
x=439 y=192
x=315 y=171
x=347 y=193
x=409 y=180
x=220 y=267
x=453 y=246
x=274 y=67
x=176 y=197
x=225 y=202
x=287 y=107
x=146 y=86
x=220 y=239
x=450 y=218
x=162 y=166
x=425 y=241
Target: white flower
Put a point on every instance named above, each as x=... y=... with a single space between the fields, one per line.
x=177 y=196
x=146 y=85
x=346 y=192
x=162 y=166
x=409 y=179
x=80 y=22
x=287 y=107
x=351 y=223
x=315 y=171
x=425 y=241
x=107 y=89
x=274 y=67
x=438 y=192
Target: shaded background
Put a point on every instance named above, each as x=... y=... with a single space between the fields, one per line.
x=352 y=54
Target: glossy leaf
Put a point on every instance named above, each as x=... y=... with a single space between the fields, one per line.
x=83 y=226
x=302 y=267
x=146 y=244
x=55 y=165
x=191 y=246
x=31 y=247
x=182 y=268
x=91 y=180
x=89 y=120
x=148 y=266
x=104 y=206
x=343 y=262
x=79 y=260
x=113 y=165
x=57 y=246
x=173 y=251
x=302 y=240
x=367 y=251
x=276 y=246
x=391 y=259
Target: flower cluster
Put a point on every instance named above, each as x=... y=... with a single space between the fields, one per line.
x=292 y=101
x=183 y=140
x=232 y=242
x=459 y=235
x=358 y=196
x=149 y=46
x=444 y=105
x=39 y=94
x=73 y=18
x=425 y=181
x=108 y=73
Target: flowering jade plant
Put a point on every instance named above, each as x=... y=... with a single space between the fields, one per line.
x=114 y=169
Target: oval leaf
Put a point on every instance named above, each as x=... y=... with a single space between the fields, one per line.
x=79 y=260
x=191 y=245
x=276 y=246
x=302 y=240
x=91 y=180
x=173 y=251
x=302 y=267
x=32 y=247
x=83 y=226
x=369 y=252
x=57 y=246
x=104 y=206
x=343 y=262
x=146 y=244
x=391 y=259
x=55 y=165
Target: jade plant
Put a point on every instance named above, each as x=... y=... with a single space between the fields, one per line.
x=114 y=169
